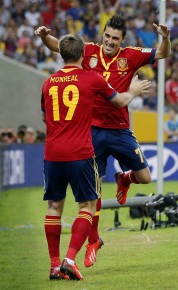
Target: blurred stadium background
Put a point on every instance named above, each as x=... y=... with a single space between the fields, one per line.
x=25 y=62
x=148 y=257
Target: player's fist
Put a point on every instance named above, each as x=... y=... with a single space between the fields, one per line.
x=42 y=31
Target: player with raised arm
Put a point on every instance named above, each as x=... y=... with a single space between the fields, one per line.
x=110 y=125
x=67 y=104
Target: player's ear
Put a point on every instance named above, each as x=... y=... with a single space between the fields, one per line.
x=124 y=38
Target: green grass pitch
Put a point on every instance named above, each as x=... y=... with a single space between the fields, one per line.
x=129 y=260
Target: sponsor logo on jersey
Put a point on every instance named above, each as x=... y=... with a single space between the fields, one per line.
x=122 y=63
x=146 y=49
x=93 y=61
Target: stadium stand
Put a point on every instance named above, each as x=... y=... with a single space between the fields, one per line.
x=19 y=19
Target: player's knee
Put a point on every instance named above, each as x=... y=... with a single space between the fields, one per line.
x=146 y=179
x=55 y=207
x=89 y=206
x=143 y=176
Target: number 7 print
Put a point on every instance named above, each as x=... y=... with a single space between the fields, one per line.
x=139 y=152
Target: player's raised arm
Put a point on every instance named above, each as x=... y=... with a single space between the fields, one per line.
x=164 y=49
x=50 y=41
x=136 y=88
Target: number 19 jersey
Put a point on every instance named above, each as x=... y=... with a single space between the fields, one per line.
x=67 y=101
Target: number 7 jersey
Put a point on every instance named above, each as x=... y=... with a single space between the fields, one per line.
x=118 y=71
x=67 y=101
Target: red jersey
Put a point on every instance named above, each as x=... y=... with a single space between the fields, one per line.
x=67 y=100
x=118 y=71
x=172 y=91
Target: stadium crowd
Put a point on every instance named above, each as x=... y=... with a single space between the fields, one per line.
x=24 y=134
x=19 y=19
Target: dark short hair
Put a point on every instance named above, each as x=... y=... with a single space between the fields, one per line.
x=71 y=47
x=117 y=22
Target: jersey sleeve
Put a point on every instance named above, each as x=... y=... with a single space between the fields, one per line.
x=42 y=100
x=89 y=48
x=103 y=88
x=142 y=56
x=45 y=84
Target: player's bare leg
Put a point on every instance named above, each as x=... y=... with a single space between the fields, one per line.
x=124 y=179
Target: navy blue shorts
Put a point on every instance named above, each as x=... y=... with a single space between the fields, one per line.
x=122 y=145
x=82 y=175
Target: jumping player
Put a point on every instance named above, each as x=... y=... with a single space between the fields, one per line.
x=110 y=125
x=67 y=103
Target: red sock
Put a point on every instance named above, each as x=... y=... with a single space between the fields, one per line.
x=52 y=226
x=93 y=235
x=80 y=230
x=133 y=178
x=128 y=178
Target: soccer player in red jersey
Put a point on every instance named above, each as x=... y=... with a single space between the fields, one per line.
x=67 y=104
x=110 y=125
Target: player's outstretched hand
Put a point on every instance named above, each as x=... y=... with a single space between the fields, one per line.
x=138 y=87
x=162 y=30
x=42 y=31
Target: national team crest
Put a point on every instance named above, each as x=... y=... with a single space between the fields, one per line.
x=93 y=61
x=122 y=63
